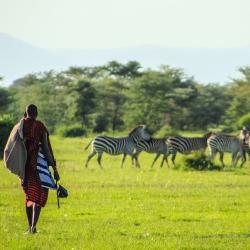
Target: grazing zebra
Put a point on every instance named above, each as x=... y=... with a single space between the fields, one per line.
x=226 y=143
x=155 y=146
x=116 y=146
x=185 y=145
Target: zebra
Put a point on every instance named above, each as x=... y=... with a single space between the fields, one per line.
x=157 y=146
x=116 y=146
x=246 y=149
x=185 y=145
x=245 y=137
x=226 y=143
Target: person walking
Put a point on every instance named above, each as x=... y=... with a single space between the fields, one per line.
x=28 y=139
x=34 y=132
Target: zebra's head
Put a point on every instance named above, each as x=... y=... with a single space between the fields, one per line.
x=244 y=135
x=140 y=132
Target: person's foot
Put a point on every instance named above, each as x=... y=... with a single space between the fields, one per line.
x=28 y=231
x=33 y=230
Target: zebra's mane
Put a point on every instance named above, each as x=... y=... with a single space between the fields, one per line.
x=207 y=135
x=134 y=129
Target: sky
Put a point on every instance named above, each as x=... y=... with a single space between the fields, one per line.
x=122 y=23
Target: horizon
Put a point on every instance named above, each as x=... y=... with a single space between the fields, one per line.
x=205 y=65
x=247 y=46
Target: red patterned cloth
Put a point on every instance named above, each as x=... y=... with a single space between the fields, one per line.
x=33 y=131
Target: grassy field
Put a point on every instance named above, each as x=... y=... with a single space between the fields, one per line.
x=129 y=208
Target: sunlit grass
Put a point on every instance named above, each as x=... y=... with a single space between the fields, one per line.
x=130 y=208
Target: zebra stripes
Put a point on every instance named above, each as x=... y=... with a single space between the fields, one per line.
x=185 y=145
x=226 y=143
x=139 y=140
x=110 y=145
x=246 y=149
x=116 y=146
x=155 y=146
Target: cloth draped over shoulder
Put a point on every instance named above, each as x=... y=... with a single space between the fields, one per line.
x=15 y=153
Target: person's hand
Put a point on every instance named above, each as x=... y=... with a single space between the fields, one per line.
x=56 y=175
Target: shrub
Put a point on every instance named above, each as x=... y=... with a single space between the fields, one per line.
x=6 y=125
x=199 y=161
x=101 y=123
x=244 y=121
x=165 y=131
x=71 y=131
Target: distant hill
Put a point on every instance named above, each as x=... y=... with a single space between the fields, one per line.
x=18 y=58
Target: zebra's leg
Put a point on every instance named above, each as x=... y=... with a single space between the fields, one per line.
x=174 y=156
x=162 y=162
x=89 y=158
x=242 y=155
x=234 y=159
x=243 y=158
x=123 y=159
x=212 y=154
x=155 y=159
x=166 y=159
x=132 y=160
x=99 y=159
x=135 y=159
x=221 y=159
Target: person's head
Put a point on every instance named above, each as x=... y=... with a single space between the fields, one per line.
x=31 y=111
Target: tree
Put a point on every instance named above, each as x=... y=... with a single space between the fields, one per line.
x=85 y=101
x=111 y=100
x=209 y=106
x=129 y=70
x=239 y=90
x=5 y=100
x=47 y=91
x=160 y=98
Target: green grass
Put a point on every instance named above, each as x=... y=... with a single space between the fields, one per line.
x=131 y=208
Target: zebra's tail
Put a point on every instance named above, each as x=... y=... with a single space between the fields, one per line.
x=88 y=145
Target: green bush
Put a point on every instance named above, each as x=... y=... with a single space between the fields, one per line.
x=6 y=125
x=244 y=121
x=165 y=131
x=101 y=123
x=71 y=131
x=199 y=161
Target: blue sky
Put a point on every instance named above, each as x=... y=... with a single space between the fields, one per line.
x=121 y=23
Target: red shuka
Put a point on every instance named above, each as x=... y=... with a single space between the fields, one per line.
x=33 y=131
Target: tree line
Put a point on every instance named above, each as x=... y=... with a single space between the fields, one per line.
x=115 y=97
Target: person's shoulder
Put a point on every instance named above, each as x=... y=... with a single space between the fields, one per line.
x=40 y=124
